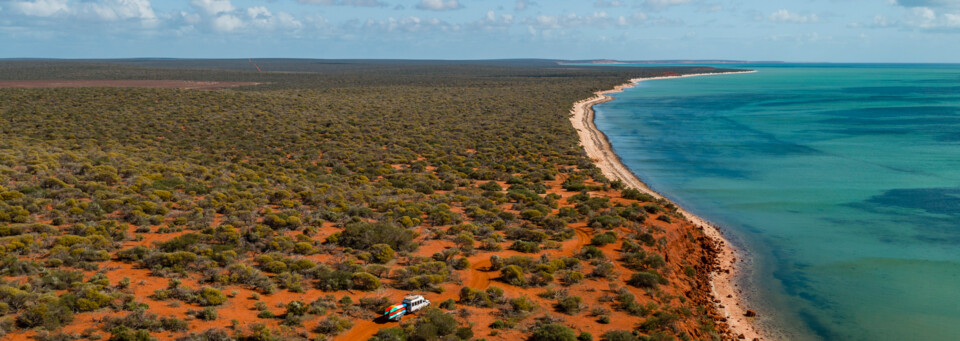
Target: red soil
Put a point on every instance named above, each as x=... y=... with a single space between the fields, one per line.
x=685 y=245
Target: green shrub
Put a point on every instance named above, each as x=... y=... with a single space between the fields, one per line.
x=333 y=280
x=644 y=279
x=689 y=271
x=50 y=316
x=434 y=324
x=364 y=235
x=531 y=214
x=522 y=304
x=297 y=308
x=178 y=325
x=635 y=194
x=333 y=325
x=491 y=186
x=122 y=333
x=618 y=335
x=461 y=263
x=382 y=253
x=474 y=297
x=448 y=304
x=526 y=247
x=603 y=270
x=499 y=324
x=590 y=252
x=389 y=334
x=304 y=248
x=207 y=314
x=574 y=186
x=570 y=305
x=208 y=296
x=605 y=238
x=365 y=281
x=553 y=332
x=654 y=261
x=659 y=321
x=513 y=274
x=571 y=277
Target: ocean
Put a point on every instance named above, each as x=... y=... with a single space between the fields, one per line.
x=841 y=182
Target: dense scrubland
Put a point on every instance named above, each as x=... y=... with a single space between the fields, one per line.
x=300 y=207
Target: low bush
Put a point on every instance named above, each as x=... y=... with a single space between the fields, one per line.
x=208 y=296
x=50 y=316
x=605 y=238
x=333 y=325
x=526 y=247
x=570 y=305
x=553 y=332
x=646 y=279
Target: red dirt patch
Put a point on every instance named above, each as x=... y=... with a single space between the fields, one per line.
x=165 y=84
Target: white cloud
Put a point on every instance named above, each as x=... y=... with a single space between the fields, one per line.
x=710 y=8
x=927 y=18
x=952 y=20
x=356 y=3
x=41 y=8
x=804 y=38
x=607 y=3
x=881 y=21
x=523 y=5
x=405 y=24
x=663 y=4
x=112 y=10
x=565 y=21
x=102 y=10
x=786 y=16
x=928 y=15
x=439 y=5
x=633 y=19
x=213 y=7
x=597 y=19
x=491 y=21
x=922 y=17
x=226 y=23
x=261 y=17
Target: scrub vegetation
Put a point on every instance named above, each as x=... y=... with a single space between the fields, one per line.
x=300 y=207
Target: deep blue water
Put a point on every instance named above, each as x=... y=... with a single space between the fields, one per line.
x=841 y=181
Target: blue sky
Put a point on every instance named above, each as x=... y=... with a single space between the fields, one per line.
x=790 y=30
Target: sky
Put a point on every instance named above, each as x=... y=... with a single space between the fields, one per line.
x=781 y=30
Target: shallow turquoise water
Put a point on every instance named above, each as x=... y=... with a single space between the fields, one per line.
x=842 y=182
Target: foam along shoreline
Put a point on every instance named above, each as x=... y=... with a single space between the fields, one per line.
x=727 y=297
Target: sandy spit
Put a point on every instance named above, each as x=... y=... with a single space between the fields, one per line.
x=727 y=295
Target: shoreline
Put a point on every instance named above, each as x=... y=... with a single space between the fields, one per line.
x=725 y=292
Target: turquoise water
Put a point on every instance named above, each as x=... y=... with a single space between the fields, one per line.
x=842 y=182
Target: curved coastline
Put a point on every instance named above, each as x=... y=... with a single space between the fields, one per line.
x=727 y=297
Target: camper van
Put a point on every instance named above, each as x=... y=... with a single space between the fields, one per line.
x=411 y=303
